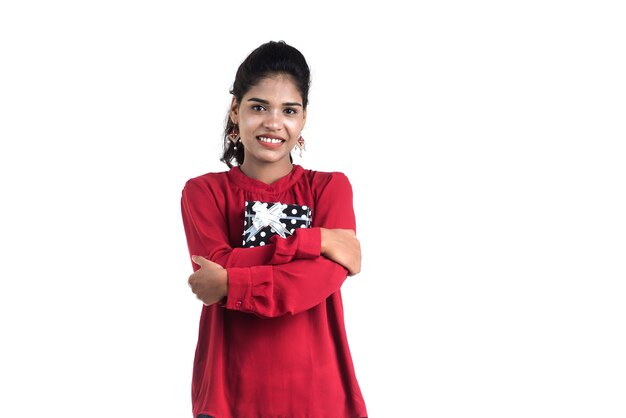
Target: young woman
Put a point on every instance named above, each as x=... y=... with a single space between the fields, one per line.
x=271 y=245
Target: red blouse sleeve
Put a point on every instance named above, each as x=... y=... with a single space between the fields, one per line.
x=276 y=290
x=207 y=234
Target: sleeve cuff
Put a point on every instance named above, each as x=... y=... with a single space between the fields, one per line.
x=309 y=243
x=306 y=243
x=239 y=289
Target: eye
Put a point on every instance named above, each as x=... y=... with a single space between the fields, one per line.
x=257 y=108
x=290 y=111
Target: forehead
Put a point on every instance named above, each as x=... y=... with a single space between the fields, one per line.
x=280 y=87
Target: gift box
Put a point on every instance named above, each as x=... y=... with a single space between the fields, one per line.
x=266 y=219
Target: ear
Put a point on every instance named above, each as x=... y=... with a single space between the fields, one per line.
x=234 y=111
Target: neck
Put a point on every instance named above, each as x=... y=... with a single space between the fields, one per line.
x=267 y=173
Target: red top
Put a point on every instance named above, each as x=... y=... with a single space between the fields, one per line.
x=276 y=347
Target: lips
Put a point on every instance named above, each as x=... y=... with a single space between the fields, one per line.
x=270 y=141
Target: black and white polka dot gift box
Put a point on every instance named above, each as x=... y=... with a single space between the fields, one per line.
x=266 y=219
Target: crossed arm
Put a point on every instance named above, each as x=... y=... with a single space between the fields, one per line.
x=210 y=282
x=283 y=277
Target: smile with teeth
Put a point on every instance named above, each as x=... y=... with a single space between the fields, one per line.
x=270 y=140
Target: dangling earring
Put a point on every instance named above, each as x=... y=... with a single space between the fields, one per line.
x=301 y=145
x=234 y=133
x=234 y=136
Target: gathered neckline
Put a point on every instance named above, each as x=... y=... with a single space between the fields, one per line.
x=254 y=185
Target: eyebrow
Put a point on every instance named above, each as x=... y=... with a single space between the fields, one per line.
x=256 y=99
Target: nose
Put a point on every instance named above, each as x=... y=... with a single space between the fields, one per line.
x=273 y=120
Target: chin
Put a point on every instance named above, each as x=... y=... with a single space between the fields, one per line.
x=271 y=157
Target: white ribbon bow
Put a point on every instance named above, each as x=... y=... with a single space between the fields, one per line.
x=267 y=217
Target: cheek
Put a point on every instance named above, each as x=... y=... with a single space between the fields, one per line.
x=295 y=125
x=247 y=126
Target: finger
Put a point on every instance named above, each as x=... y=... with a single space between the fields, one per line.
x=191 y=280
x=199 y=260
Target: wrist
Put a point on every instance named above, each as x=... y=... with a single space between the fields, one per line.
x=323 y=240
x=224 y=286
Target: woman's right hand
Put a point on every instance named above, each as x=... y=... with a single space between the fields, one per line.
x=343 y=247
x=209 y=282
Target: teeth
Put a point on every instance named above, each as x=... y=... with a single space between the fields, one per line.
x=270 y=140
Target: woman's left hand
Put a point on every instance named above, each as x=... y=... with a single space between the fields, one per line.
x=210 y=282
x=343 y=247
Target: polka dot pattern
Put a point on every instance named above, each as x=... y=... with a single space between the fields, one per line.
x=293 y=217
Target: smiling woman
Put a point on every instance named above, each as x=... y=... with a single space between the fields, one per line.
x=271 y=245
x=270 y=118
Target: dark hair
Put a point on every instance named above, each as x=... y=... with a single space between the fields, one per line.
x=268 y=59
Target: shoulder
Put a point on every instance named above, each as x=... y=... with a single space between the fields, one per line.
x=335 y=181
x=206 y=183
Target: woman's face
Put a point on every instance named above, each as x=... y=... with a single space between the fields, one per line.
x=270 y=118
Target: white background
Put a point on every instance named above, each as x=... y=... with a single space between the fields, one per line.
x=485 y=144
